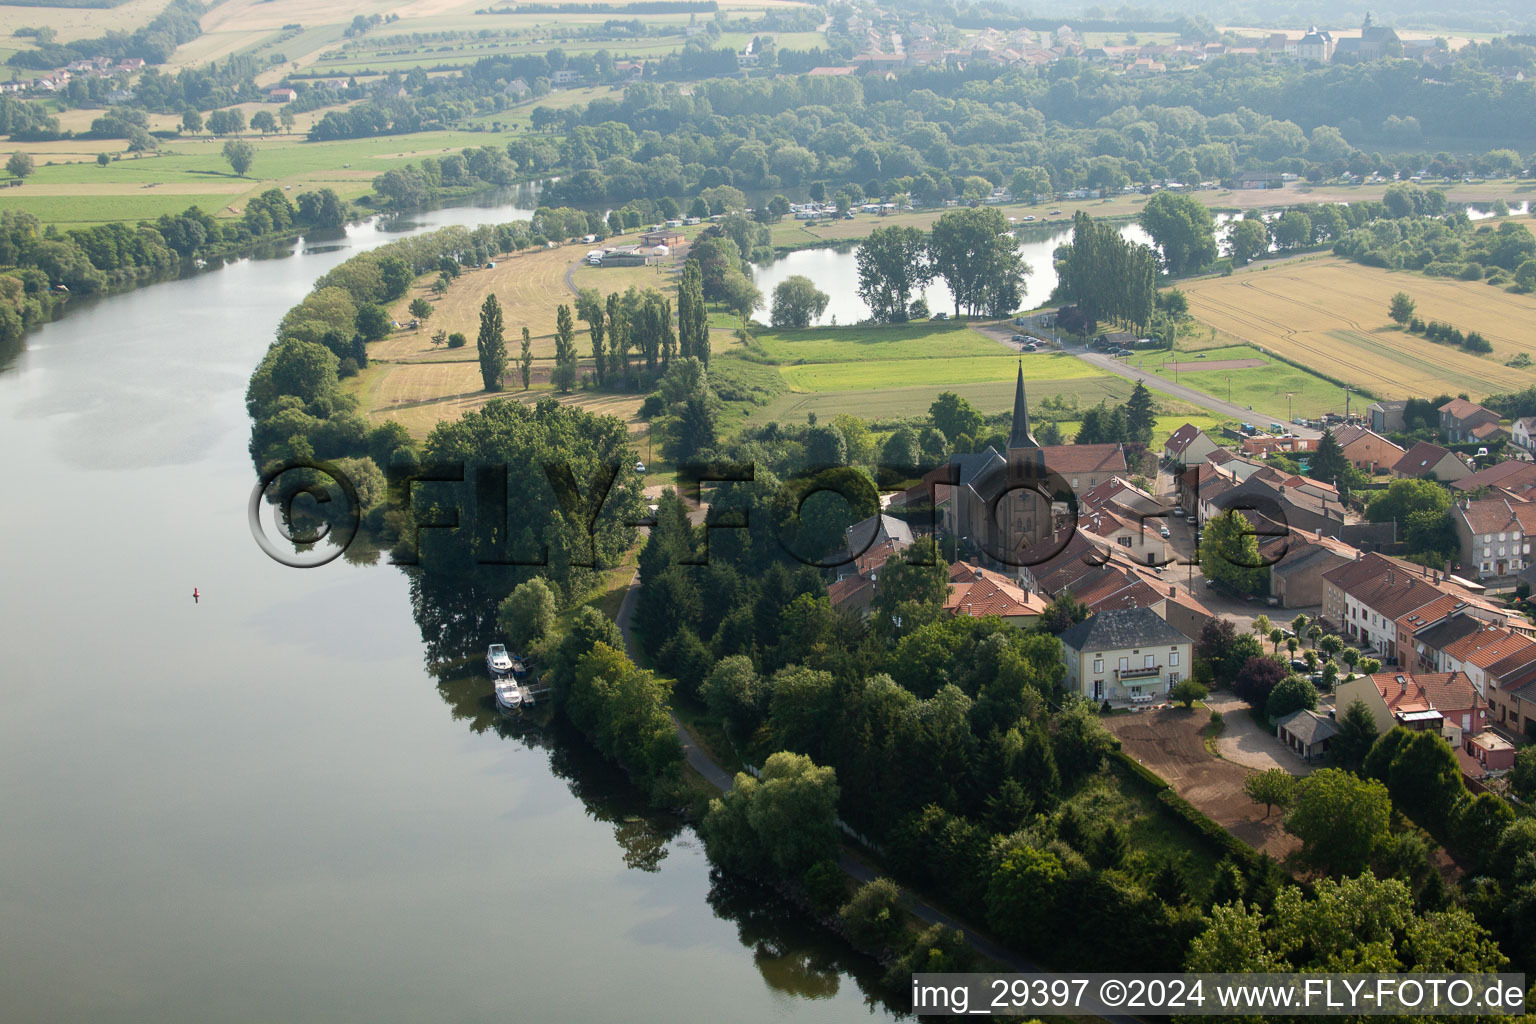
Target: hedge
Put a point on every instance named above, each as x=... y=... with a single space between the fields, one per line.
x=1186 y=811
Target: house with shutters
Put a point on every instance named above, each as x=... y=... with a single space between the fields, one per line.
x=1125 y=657
x=1495 y=536
x=1441 y=702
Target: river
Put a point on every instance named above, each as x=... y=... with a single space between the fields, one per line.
x=265 y=805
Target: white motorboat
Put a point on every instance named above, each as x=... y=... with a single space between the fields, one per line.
x=498 y=661
x=509 y=695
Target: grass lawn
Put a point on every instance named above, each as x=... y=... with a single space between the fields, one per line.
x=924 y=340
x=1262 y=388
x=879 y=374
x=901 y=402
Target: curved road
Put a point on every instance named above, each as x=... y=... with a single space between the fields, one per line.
x=718 y=777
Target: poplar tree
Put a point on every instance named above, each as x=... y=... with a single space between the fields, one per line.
x=491 y=345
x=564 y=376
x=525 y=360
x=692 y=319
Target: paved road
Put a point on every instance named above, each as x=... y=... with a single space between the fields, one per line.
x=1183 y=392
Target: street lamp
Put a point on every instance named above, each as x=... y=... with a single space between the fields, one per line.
x=1288 y=414
x=1229 y=389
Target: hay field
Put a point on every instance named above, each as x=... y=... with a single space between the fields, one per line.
x=529 y=286
x=78 y=22
x=1331 y=316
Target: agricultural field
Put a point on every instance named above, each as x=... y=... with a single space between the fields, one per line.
x=1262 y=388
x=880 y=374
x=924 y=340
x=77 y=22
x=1331 y=316
x=69 y=188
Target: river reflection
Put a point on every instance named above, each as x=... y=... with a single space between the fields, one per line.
x=796 y=957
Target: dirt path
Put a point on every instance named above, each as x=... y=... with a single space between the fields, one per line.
x=1169 y=742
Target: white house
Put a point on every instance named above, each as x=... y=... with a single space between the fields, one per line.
x=1521 y=430
x=1188 y=446
x=1129 y=657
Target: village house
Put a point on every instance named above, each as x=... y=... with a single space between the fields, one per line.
x=1494 y=535
x=662 y=236
x=976 y=592
x=1297 y=563
x=1188 y=445
x=1441 y=702
x=1365 y=598
x=1365 y=449
x=1426 y=461
x=1124 y=657
x=1520 y=433
x=1512 y=476
x=281 y=95
x=1459 y=417
x=1315 y=46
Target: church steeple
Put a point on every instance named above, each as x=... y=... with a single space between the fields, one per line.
x=1020 y=437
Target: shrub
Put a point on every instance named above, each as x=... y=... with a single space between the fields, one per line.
x=457 y=340
x=824 y=886
x=872 y=919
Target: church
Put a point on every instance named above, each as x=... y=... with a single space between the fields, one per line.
x=1014 y=508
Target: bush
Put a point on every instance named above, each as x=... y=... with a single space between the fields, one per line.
x=457 y=340
x=872 y=919
x=652 y=406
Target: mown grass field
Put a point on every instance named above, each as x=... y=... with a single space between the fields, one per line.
x=924 y=340
x=1262 y=388
x=1331 y=316
x=879 y=374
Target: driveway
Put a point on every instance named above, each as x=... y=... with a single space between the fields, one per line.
x=1244 y=741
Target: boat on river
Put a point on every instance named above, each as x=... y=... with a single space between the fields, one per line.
x=509 y=693
x=498 y=662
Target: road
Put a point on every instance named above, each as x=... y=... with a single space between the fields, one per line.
x=718 y=777
x=1241 y=413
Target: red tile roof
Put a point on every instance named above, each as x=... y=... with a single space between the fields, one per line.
x=1440 y=691
x=1498 y=515
x=1420 y=460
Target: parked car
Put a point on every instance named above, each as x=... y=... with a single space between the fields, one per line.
x=1020 y=337
x=1178 y=510
x=639 y=466
x=1191 y=520
x=1030 y=346
x=1299 y=664
x=1164 y=532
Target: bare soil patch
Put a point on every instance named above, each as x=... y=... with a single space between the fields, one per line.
x=1169 y=742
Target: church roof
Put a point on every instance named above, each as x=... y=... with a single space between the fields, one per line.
x=1020 y=437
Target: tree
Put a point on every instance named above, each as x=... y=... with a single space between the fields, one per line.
x=20 y=165
x=955 y=416
x=1258 y=678
x=1401 y=309
x=1292 y=693
x=1340 y=819
x=797 y=302
x=735 y=693
x=564 y=375
x=1247 y=240
x=263 y=121
x=1229 y=553
x=912 y=590
x=1188 y=690
x=893 y=263
x=191 y=121
x=1273 y=787
x=1140 y=413
x=1522 y=777
x=372 y=321
x=103 y=159
x=1329 y=463
x=873 y=918
x=1355 y=735
x=525 y=359
x=421 y=309
x=692 y=317
x=527 y=614
x=782 y=822
x=1183 y=229
x=240 y=155
x=978 y=257
x=491 y=345
x=740 y=296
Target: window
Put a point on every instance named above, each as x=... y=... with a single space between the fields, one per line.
x=1125 y=663
x=1123 y=541
x=1173 y=657
x=1149 y=662
x=1098 y=664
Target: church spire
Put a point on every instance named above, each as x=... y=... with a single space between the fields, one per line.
x=1021 y=437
